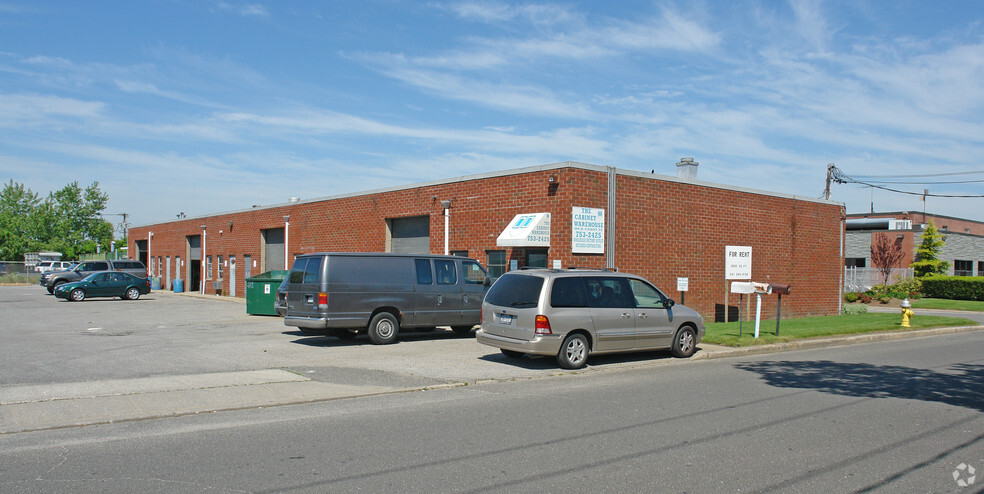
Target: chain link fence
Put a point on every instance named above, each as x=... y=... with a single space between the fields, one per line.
x=18 y=273
x=862 y=279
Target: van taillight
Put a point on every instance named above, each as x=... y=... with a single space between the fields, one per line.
x=542 y=325
x=322 y=300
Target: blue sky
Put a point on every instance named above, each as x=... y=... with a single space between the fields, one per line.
x=210 y=106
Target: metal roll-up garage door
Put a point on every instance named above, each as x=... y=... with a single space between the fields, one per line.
x=273 y=249
x=410 y=235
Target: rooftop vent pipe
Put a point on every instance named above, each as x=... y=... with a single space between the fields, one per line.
x=687 y=169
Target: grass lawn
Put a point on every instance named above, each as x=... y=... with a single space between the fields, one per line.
x=816 y=327
x=942 y=303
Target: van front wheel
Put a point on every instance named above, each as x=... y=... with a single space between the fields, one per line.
x=383 y=329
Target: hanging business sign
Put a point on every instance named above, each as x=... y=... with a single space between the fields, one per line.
x=737 y=263
x=587 y=230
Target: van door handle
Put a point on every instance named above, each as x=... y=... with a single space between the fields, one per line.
x=643 y=316
x=625 y=315
x=440 y=299
x=309 y=299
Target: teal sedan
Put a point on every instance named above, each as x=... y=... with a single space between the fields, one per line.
x=104 y=284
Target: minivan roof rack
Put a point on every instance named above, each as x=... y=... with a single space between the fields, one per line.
x=610 y=270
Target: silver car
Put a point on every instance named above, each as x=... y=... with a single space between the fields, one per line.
x=576 y=313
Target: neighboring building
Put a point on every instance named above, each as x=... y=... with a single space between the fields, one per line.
x=31 y=259
x=564 y=214
x=963 y=248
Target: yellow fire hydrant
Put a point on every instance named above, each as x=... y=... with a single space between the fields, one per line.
x=906 y=312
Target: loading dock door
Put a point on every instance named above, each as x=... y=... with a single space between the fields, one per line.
x=194 y=266
x=273 y=249
x=410 y=235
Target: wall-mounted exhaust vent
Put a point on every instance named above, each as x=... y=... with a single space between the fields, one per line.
x=293 y=199
x=687 y=169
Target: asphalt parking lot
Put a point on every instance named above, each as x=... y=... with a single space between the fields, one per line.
x=70 y=363
x=66 y=363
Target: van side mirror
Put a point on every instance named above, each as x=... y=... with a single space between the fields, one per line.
x=487 y=282
x=669 y=303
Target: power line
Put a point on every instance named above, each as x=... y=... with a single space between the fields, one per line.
x=920 y=176
x=835 y=175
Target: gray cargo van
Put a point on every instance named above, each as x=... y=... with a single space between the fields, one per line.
x=345 y=293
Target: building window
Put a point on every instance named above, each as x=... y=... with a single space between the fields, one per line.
x=855 y=262
x=980 y=268
x=208 y=267
x=459 y=253
x=218 y=261
x=536 y=258
x=963 y=268
x=496 y=263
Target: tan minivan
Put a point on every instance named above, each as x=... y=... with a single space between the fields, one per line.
x=575 y=313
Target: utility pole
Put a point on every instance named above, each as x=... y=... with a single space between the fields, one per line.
x=830 y=176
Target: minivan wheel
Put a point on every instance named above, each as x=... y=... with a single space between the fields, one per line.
x=383 y=329
x=574 y=352
x=684 y=342
x=462 y=330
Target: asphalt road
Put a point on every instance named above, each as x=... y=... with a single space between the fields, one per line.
x=897 y=416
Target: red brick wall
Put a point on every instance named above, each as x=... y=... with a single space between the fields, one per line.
x=665 y=230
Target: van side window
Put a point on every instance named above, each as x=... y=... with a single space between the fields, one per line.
x=100 y=266
x=568 y=292
x=297 y=271
x=424 y=275
x=646 y=295
x=474 y=274
x=312 y=270
x=606 y=292
x=446 y=274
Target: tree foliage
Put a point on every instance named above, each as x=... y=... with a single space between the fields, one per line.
x=928 y=252
x=67 y=221
x=886 y=254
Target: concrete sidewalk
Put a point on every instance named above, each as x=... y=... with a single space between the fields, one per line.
x=52 y=406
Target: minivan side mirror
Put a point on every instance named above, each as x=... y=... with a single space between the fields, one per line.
x=669 y=303
x=487 y=282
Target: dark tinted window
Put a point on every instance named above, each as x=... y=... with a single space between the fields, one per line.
x=604 y=292
x=99 y=266
x=517 y=291
x=568 y=292
x=424 y=275
x=297 y=271
x=474 y=274
x=446 y=274
x=312 y=270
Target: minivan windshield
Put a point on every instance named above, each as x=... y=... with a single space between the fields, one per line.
x=518 y=291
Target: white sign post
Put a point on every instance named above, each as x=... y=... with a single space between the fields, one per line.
x=682 y=285
x=587 y=230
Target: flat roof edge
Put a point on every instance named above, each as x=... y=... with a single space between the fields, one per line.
x=502 y=173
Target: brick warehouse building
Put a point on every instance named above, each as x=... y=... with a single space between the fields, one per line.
x=661 y=227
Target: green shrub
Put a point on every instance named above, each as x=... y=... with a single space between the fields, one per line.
x=884 y=299
x=954 y=287
x=864 y=298
x=850 y=297
x=854 y=309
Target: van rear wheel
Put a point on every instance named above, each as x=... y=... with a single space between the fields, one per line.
x=383 y=329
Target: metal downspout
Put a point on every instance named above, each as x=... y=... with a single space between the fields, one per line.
x=610 y=248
